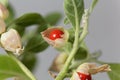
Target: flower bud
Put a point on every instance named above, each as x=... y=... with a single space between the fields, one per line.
x=3 y=11
x=2 y=26
x=58 y=62
x=55 y=36
x=11 y=41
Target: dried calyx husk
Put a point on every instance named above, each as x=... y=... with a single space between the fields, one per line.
x=3 y=11
x=3 y=15
x=11 y=41
x=59 y=42
x=57 y=64
x=85 y=71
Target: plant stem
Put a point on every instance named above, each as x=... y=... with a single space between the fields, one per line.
x=77 y=40
x=85 y=20
x=61 y=75
x=25 y=70
x=94 y=2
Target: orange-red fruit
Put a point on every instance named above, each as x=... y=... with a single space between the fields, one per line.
x=55 y=34
x=84 y=76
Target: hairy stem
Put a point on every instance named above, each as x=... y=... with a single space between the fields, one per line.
x=61 y=75
x=78 y=39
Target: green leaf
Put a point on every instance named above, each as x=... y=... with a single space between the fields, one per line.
x=10 y=68
x=66 y=20
x=115 y=73
x=42 y=28
x=53 y=18
x=74 y=9
x=36 y=44
x=81 y=54
x=71 y=35
x=30 y=19
x=26 y=20
x=29 y=60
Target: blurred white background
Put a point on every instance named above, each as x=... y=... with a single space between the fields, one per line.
x=103 y=35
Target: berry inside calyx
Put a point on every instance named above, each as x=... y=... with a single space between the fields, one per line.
x=84 y=76
x=55 y=34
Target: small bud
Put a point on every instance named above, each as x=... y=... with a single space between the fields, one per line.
x=55 y=36
x=3 y=11
x=58 y=62
x=2 y=26
x=11 y=42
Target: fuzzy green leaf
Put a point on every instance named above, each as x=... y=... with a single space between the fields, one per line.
x=66 y=20
x=42 y=28
x=10 y=68
x=36 y=44
x=30 y=19
x=72 y=7
x=53 y=18
x=29 y=60
x=26 y=20
x=81 y=54
x=115 y=73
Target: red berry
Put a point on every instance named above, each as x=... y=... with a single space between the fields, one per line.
x=84 y=76
x=55 y=34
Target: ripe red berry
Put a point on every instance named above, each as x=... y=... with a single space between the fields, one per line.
x=84 y=76
x=55 y=34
